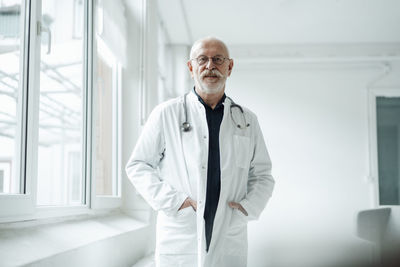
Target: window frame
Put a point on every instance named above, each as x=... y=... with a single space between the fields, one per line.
x=22 y=206
x=373 y=93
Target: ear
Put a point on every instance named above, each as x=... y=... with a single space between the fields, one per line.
x=230 y=67
x=190 y=67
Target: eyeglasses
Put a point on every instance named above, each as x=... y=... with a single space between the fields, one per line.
x=217 y=60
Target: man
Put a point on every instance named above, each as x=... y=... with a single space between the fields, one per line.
x=201 y=161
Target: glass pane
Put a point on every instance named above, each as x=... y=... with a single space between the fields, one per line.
x=105 y=118
x=11 y=47
x=60 y=161
x=388 y=124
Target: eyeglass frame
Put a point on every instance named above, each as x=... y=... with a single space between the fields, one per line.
x=212 y=60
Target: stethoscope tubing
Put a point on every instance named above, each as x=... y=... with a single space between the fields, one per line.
x=186 y=127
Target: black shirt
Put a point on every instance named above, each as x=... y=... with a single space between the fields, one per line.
x=214 y=119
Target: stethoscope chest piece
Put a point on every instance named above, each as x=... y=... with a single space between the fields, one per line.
x=186 y=126
x=245 y=124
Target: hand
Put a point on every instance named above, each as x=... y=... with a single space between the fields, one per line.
x=235 y=205
x=189 y=202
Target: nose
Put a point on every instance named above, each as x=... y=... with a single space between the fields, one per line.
x=210 y=64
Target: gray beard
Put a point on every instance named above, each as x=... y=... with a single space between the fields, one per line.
x=202 y=87
x=211 y=90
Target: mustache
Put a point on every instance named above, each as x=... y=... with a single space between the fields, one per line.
x=211 y=73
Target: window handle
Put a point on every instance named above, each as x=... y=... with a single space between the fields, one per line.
x=40 y=30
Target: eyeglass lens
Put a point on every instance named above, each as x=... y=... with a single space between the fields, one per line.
x=217 y=60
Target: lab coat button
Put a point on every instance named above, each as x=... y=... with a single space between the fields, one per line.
x=203 y=167
x=205 y=137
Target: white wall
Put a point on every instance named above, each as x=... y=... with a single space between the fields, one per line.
x=131 y=107
x=161 y=59
x=174 y=72
x=315 y=121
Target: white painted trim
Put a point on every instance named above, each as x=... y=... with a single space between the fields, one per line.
x=48 y=215
x=106 y=202
x=373 y=150
x=115 y=130
x=15 y=206
x=88 y=142
x=20 y=164
x=120 y=170
x=292 y=60
x=143 y=65
x=329 y=50
x=44 y=214
x=261 y=56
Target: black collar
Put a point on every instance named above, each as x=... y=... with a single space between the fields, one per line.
x=221 y=101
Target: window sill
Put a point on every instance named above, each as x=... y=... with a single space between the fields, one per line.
x=28 y=242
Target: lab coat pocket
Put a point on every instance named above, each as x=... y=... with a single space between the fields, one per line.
x=236 y=236
x=178 y=234
x=241 y=146
x=238 y=219
x=184 y=212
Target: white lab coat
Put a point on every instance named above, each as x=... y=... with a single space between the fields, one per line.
x=169 y=165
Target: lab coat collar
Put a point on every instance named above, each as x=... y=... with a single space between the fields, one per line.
x=193 y=97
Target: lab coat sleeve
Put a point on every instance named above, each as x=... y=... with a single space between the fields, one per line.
x=260 y=181
x=142 y=168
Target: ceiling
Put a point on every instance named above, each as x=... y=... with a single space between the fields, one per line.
x=290 y=22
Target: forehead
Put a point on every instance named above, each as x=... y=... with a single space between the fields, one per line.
x=210 y=48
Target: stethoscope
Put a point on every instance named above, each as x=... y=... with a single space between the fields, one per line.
x=186 y=127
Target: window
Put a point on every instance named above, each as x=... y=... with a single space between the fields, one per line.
x=12 y=31
x=57 y=128
x=61 y=104
x=44 y=74
x=388 y=139
x=385 y=144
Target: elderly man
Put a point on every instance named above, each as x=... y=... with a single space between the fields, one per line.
x=201 y=161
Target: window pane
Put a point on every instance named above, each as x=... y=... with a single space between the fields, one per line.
x=388 y=124
x=60 y=161
x=11 y=38
x=105 y=121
